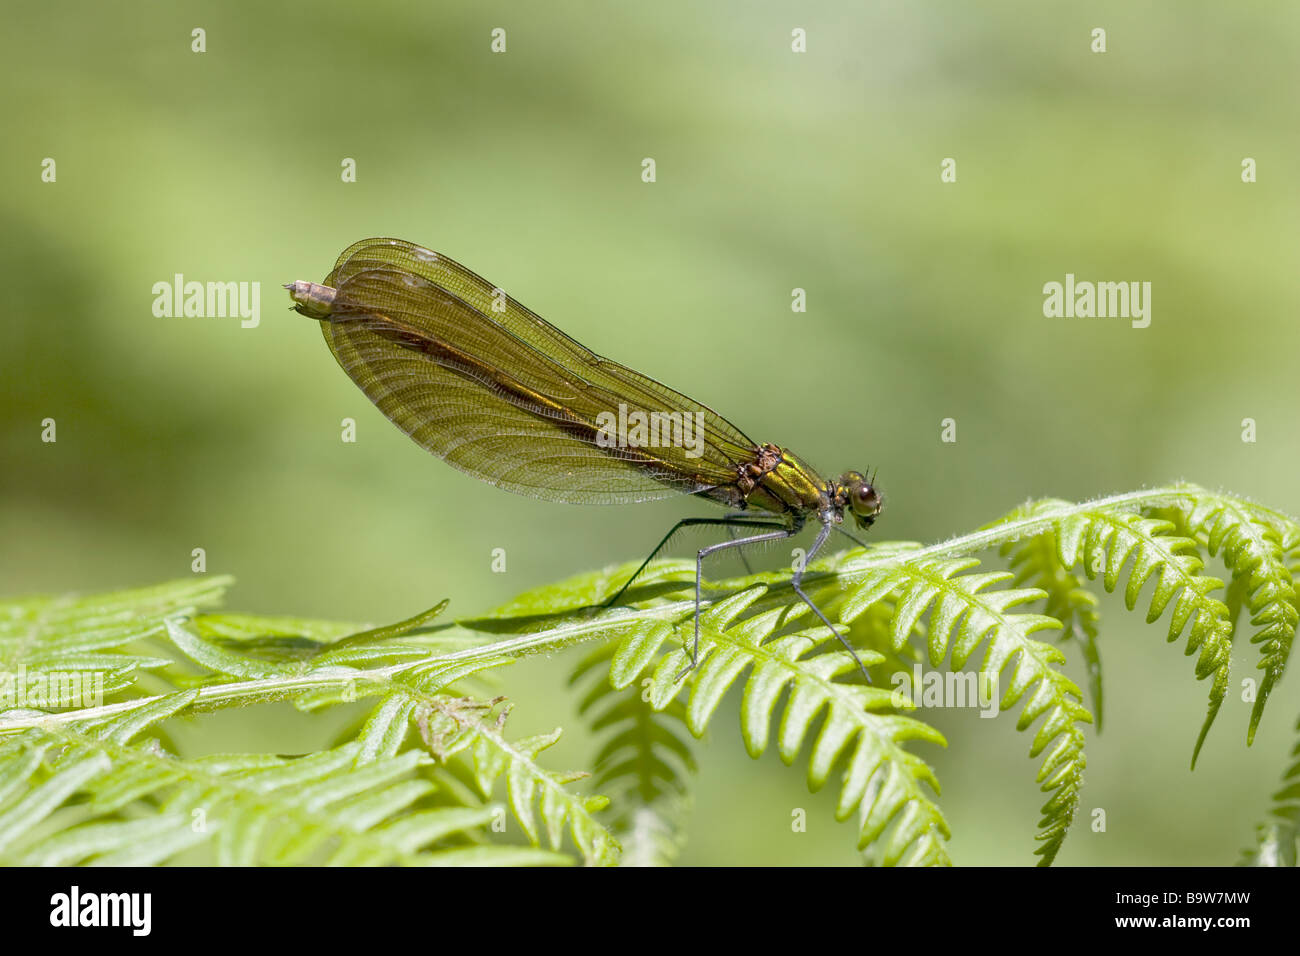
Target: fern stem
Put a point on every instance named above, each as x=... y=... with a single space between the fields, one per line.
x=576 y=632
x=291 y=685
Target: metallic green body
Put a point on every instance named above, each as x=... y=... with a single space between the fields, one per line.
x=791 y=487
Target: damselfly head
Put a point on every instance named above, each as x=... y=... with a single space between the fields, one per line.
x=855 y=491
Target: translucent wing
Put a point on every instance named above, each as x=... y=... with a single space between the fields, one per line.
x=496 y=391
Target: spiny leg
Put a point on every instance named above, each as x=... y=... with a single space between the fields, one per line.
x=852 y=537
x=796 y=583
x=743 y=558
x=699 y=574
x=732 y=520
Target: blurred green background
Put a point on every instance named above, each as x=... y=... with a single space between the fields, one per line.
x=775 y=170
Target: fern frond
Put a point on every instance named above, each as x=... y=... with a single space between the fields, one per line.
x=527 y=781
x=75 y=794
x=45 y=641
x=366 y=801
x=1278 y=839
x=1103 y=544
x=1034 y=561
x=449 y=724
x=962 y=614
x=1253 y=551
x=83 y=783
x=859 y=729
x=642 y=765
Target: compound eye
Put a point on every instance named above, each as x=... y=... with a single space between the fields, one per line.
x=864 y=499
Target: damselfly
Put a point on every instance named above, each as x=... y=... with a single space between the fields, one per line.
x=496 y=391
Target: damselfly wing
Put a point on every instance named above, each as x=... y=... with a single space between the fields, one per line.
x=499 y=393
